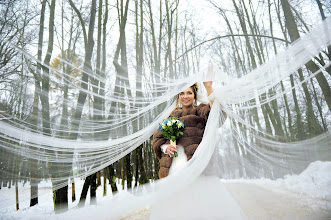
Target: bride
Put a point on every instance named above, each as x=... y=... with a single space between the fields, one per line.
x=205 y=197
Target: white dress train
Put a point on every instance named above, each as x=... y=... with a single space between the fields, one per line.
x=205 y=198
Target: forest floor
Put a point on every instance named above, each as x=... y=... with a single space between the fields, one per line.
x=256 y=200
x=305 y=196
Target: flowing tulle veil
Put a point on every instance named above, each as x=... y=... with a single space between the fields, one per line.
x=244 y=137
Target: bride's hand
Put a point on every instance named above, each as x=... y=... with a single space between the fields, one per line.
x=208 y=84
x=171 y=149
x=210 y=72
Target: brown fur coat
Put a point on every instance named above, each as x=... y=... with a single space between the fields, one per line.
x=194 y=119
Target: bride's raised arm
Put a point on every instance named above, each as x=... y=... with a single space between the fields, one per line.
x=209 y=84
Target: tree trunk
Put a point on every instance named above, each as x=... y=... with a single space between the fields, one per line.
x=84 y=84
x=93 y=188
x=16 y=195
x=299 y=125
x=251 y=55
x=168 y=56
x=45 y=78
x=140 y=172
x=60 y=200
x=73 y=191
x=104 y=181
x=294 y=35
x=325 y=128
x=83 y=194
x=35 y=111
x=320 y=7
x=288 y=111
x=97 y=108
x=112 y=178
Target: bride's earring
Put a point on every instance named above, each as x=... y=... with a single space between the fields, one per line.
x=178 y=104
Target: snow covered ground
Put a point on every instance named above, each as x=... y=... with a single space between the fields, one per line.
x=303 y=196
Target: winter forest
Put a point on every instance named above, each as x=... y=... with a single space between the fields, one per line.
x=84 y=84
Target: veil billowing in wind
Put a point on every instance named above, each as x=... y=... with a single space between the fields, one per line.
x=265 y=133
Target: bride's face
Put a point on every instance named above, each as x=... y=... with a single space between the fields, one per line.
x=186 y=97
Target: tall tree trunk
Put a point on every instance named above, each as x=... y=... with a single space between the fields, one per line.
x=60 y=196
x=281 y=82
x=157 y=66
x=320 y=7
x=288 y=111
x=251 y=55
x=35 y=111
x=83 y=194
x=299 y=124
x=122 y=68
x=318 y=106
x=45 y=78
x=109 y=171
x=118 y=67
x=84 y=82
x=16 y=196
x=141 y=175
x=112 y=178
x=97 y=108
x=103 y=67
x=104 y=181
x=294 y=35
x=168 y=56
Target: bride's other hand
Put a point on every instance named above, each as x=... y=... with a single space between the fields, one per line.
x=210 y=73
x=209 y=84
x=171 y=149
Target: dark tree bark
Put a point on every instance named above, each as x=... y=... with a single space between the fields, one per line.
x=60 y=196
x=251 y=56
x=168 y=56
x=140 y=171
x=294 y=35
x=320 y=7
x=84 y=85
x=83 y=194
x=122 y=69
x=112 y=178
x=35 y=111
x=102 y=87
x=45 y=78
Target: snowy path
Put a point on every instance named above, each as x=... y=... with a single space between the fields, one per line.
x=260 y=202
x=256 y=200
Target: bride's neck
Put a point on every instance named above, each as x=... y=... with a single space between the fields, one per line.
x=187 y=107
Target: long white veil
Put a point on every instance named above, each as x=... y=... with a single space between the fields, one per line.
x=243 y=138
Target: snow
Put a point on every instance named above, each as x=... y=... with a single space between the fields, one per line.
x=315 y=181
x=307 y=195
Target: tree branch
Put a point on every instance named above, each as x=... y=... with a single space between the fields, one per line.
x=231 y=35
x=81 y=21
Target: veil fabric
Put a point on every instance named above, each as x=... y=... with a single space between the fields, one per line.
x=231 y=148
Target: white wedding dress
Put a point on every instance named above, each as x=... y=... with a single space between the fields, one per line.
x=205 y=198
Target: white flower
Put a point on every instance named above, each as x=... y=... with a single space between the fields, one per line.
x=179 y=125
x=163 y=126
x=169 y=123
x=173 y=121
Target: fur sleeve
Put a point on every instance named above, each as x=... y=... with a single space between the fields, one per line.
x=158 y=141
x=203 y=111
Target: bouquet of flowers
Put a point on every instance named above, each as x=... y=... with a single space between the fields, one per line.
x=172 y=129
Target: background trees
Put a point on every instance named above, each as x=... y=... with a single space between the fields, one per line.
x=47 y=70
